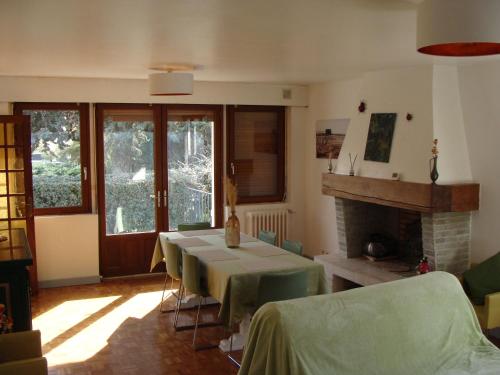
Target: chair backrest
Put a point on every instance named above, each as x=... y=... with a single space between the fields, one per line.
x=194 y=226
x=295 y=247
x=282 y=286
x=269 y=237
x=172 y=255
x=191 y=273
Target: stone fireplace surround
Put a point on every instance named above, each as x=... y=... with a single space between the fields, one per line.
x=366 y=205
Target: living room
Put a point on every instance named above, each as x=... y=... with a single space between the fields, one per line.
x=316 y=69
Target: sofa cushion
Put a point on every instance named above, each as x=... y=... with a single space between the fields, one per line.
x=483 y=279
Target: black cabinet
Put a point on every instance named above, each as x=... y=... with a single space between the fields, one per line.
x=15 y=257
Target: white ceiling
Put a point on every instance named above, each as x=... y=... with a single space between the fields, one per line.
x=285 y=41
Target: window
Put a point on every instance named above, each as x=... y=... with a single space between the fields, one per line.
x=256 y=152
x=59 y=156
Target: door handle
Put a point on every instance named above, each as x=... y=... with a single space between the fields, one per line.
x=159 y=199
x=232 y=168
x=165 y=198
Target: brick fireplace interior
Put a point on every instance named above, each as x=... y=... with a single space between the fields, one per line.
x=443 y=237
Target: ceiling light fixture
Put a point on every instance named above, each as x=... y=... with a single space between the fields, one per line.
x=458 y=27
x=173 y=80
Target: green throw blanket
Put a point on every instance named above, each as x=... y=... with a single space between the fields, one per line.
x=420 y=326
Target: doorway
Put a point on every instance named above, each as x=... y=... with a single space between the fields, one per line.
x=158 y=166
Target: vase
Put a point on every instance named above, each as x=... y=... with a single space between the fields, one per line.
x=330 y=166
x=433 y=169
x=233 y=231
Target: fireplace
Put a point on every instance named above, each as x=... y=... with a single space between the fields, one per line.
x=444 y=238
x=424 y=219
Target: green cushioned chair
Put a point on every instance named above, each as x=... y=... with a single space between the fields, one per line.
x=172 y=259
x=482 y=284
x=21 y=354
x=268 y=236
x=193 y=226
x=281 y=286
x=295 y=247
x=275 y=287
x=192 y=281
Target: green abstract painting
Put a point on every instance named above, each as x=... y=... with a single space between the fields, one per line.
x=379 y=142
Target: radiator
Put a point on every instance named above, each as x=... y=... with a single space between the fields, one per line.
x=275 y=220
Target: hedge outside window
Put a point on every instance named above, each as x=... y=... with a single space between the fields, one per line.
x=256 y=152
x=59 y=156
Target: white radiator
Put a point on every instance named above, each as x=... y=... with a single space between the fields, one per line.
x=275 y=220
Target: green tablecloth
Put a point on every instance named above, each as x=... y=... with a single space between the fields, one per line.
x=423 y=325
x=234 y=282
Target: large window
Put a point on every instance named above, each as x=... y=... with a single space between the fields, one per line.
x=256 y=152
x=59 y=156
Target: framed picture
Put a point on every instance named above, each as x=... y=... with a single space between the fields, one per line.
x=380 y=133
x=330 y=136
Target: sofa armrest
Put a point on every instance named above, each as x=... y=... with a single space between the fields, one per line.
x=20 y=345
x=34 y=366
x=492 y=308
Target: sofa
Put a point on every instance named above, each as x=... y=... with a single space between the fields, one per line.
x=21 y=354
x=420 y=325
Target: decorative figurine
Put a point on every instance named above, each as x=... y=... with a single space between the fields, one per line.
x=423 y=266
x=330 y=166
x=352 y=162
x=232 y=227
x=433 y=162
x=362 y=107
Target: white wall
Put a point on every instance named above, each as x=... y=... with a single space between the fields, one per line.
x=400 y=91
x=480 y=93
x=453 y=159
x=67 y=246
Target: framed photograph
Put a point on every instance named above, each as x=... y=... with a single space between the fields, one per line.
x=380 y=133
x=330 y=136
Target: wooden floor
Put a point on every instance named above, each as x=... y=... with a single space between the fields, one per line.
x=115 y=328
x=138 y=339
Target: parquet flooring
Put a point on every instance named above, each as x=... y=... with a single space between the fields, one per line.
x=132 y=343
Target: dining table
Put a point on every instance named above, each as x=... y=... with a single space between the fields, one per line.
x=232 y=274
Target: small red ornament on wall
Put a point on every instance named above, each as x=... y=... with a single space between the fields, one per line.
x=409 y=117
x=362 y=107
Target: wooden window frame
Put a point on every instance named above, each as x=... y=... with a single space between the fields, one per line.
x=231 y=110
x=83 y=108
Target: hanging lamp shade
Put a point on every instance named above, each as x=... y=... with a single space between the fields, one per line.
x=171 y=83
x=458 y=27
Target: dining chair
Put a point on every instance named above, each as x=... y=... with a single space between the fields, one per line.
x=172 y=259
x=268 y=236
x=192 y=281
x=281 y=286
x=194 y=226
x=295 y=247
x=275 y=287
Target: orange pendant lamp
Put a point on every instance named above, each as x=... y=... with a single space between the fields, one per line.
x=458 y=27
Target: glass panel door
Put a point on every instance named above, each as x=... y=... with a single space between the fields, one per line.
x=191 y=167
x=129 y=170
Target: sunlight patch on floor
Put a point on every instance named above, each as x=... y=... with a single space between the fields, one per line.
x=90 y=340
x=68 y=314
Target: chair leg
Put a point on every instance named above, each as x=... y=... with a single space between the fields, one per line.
x=164 y=288
x=200 y=298
x=178 y=304
x=229 y=354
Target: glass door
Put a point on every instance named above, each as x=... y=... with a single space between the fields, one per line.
x=130 y=200
x=16 y=190
x=158 y=166
x=193 y=164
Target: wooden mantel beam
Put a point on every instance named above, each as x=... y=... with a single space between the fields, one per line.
x=409 y=195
